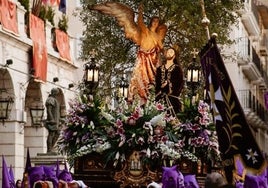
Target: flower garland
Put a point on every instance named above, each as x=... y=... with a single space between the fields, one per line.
x=115 y=132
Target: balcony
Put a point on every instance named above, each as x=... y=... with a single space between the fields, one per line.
x=243 y=50
x=263 y=2
x=255 y=112
x=250 y=62
x=250 y=18
x=251 y=69
x=262 y=7
x=264 y=45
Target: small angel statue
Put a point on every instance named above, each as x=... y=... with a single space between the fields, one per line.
x=149 y=39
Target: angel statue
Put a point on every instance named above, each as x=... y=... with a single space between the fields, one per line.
x=149 y=39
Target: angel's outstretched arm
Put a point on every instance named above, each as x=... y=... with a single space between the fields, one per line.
x=141 y=24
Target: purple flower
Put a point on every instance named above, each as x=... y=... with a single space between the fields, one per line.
x=85 y=138
x=68 y=134
x=205 y=135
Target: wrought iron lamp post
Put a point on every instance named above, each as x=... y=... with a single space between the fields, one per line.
x=91 y=77
x=123 y=88
x=193 y=78
x=5 y=108
x=37 y=114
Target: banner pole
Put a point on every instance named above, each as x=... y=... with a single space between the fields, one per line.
x=205 y=21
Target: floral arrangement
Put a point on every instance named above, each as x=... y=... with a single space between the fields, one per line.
x=115 y=132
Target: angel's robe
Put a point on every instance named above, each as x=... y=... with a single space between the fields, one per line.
x=143 y=77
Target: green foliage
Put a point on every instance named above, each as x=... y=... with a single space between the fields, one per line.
x=47 y=13
x=190 y=111
x=25 y=4
x=183 y=17
x=63 y=23
x=50 y=15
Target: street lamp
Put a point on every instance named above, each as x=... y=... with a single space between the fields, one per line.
x=5 y=108
x=123 y=88
x=37 y=114
x=193 y=76
x=91 y=77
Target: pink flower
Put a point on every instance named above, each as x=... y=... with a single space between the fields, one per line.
x=110 y=132
x=119 y=123
x=131 y=121
x=204 y=121
x=180 y=144
x=140 y=141
x=199 y=140
x=154 y=154
x=203 y=107
x=137 y=113
x=160 y=107
x=195 y=127
x=150 y=139
x=164 y=138
x=159 y=130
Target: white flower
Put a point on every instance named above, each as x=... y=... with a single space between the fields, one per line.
x=158 y=120
x=149 y=127
x=117 y=155
x=91 y=125
x=115 y=163
x=169 y=151
x=148 y=152
x=122 y=141
x=107 y=116
x=100 y=147
x=123 y=158
x=170 y=144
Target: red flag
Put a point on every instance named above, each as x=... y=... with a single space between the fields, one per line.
x=9 y=16
x=45 y=2
x=37 y=34
x=54 y=2
x=63 y=45
x=51 y=2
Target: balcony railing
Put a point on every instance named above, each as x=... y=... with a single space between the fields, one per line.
x=253 y=109
x=250 y=62
x=256 y=60
x=250 y=17
x=243 y=48
x=264 y=45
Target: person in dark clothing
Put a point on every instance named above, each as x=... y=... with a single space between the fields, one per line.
x=169 y=82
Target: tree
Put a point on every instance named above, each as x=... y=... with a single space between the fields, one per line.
x=183 y=17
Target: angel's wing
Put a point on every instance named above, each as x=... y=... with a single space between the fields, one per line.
x=124 y=15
